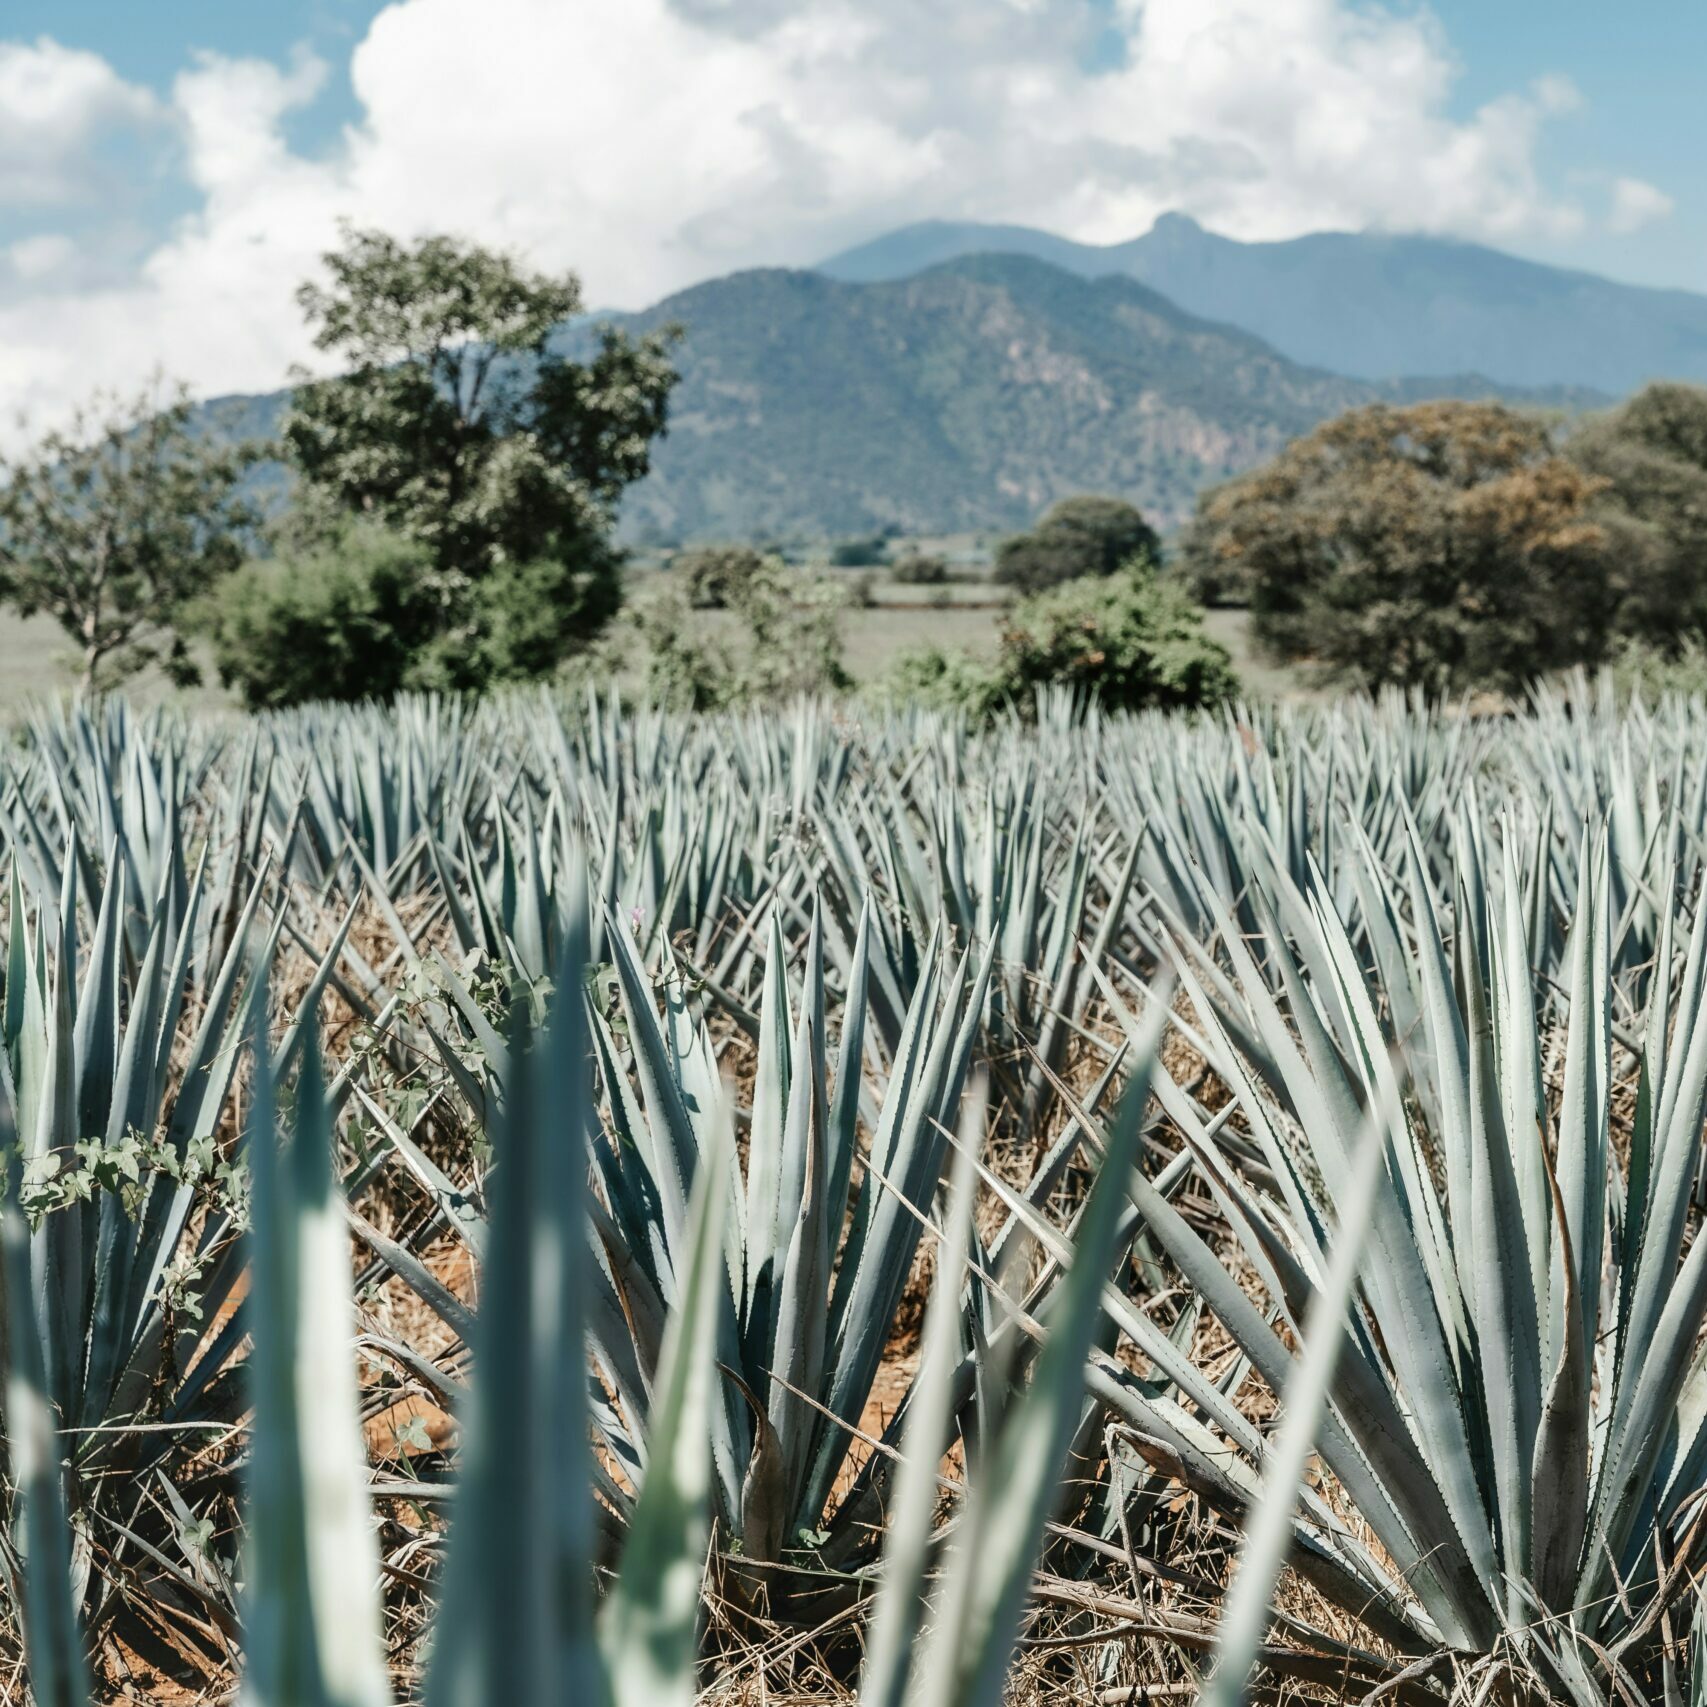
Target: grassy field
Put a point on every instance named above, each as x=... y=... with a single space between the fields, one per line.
x=37 y=660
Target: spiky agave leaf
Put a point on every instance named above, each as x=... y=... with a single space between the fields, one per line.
x=1246 y=1613
x=53 y=1639
x=312 y=1607
x=962 y=1658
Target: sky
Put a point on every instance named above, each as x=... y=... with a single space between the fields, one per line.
x=170 y=172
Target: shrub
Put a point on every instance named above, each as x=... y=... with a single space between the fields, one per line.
x=529 y=618
x=1078 y=537
x=860 y=553
x=359 y=617
x=1133 y=641
x=781 y=637
x=920 y=569
x=341 y=622
x=1656 y=673
x=709 y=575
x=945 y=680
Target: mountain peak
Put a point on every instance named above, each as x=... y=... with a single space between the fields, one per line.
x=1175 y=225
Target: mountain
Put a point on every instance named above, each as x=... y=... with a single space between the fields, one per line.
x=963 y=398
x=968 y=396
x=1364 y=304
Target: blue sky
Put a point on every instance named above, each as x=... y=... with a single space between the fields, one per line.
x=1641 y=69
x=168 y=172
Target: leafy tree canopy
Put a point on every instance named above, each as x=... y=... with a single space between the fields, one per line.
x=457 y=427
x=113 y=524
x=712 y=577
x=1652 y=454
x=1441 y=545
x=1077 y=537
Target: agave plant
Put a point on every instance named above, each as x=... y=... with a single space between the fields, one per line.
x=815 y=1265
x=527 y=1621
x=119 y=1058
x=1518 y=1413
x=1375 y=907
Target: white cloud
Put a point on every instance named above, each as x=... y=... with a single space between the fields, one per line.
x=58 y=106
x=1635 y=204
x=651 y=143
x=46 y=256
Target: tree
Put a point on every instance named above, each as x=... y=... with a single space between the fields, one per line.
x=113 y=524
x=920 y=569
x=868 y=553
x=1441 y=545
x=458 y=426
x=1077 y=537
x=711 y=576
x=1652 y=454
x=1130 y=640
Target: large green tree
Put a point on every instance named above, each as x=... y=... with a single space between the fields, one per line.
x=461 y=427
x=1652 y=455
x=1075 y=538
x=1443 y=545
x=113 y=524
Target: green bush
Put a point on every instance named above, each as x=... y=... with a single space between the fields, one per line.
x=948 y=681
x=920 y=569
x=779 y=635
x=1656 y=673
x=1132 y=640
x=711 y=575
x=1078 y=537
x=529 y=619
x=860 y=553
x=360 y=616
x=340 y=622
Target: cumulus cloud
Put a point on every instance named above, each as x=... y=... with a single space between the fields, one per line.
x=59 y=108
x=651 y=143
x=1635 y=204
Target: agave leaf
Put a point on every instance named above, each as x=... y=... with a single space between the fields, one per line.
x=53 y=1642
x=1245 y=1614
x=647 y=1630
x=906 y=1554
x=313 y=1614
x=523 y=1588
x=966 y=1656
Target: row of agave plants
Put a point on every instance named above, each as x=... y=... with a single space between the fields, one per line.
x=661 y=1052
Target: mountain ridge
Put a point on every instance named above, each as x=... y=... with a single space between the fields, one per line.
x=1364 y=304
x=964 y=398
x=971 y=395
